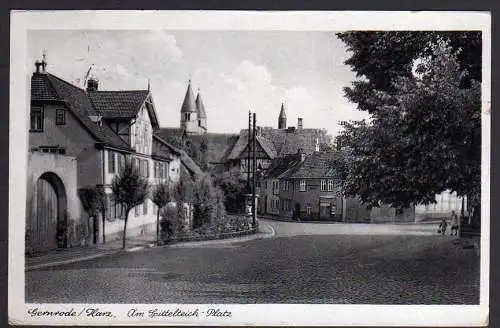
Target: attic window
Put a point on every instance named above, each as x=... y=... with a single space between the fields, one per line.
x=60 y=116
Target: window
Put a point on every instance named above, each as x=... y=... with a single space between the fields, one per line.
x=137 y=210
x=155 y=209
x=119 y=211
x=145 y=207
x=111 y=162
x=330 y=185
x=111 y=208
x=36 y=119
x=285 y=204
x=165 y=168
x=60 y=116
x=144 y=168
x=121 y=162
x=52 y=149
x=323 y=185
x=308 y=208
x=302 y=185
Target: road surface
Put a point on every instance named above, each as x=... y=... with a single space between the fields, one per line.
x=301 y=263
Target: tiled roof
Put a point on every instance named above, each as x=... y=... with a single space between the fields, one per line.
x=219 y=145
x=187 y=161
x=242 y=142
x=281 y=165
x=79 y=104
x=290 y=142
x=118 y=104
x=315 y=165
x=41 y=88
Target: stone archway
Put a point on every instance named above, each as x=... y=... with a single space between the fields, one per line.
x=46 y=227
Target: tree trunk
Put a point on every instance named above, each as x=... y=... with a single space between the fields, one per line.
x=104 y=227
x=125 y=229
x=95 y=229
x=158 y=226
x=89 y=229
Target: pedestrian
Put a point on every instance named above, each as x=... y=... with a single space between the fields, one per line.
x=442 y=226
x=454 y=223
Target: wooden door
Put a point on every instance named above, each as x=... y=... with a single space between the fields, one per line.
x=43 y=228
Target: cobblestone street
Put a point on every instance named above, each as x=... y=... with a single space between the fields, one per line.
x=295 y=266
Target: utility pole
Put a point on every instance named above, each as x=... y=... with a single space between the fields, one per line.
x=254 y=209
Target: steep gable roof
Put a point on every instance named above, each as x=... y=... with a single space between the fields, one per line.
x=281 y=165
x=316 y=165
x=80 y=106
x=187 y=161
x=242 y=143
x=42 y=89
x=118 y=104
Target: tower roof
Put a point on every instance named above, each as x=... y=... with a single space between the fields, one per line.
x=200 y=107
x=189 y=104
x=282 y=112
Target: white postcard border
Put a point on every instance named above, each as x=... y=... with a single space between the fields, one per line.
x=261 y=314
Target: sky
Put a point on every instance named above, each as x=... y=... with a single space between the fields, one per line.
x=235 y=71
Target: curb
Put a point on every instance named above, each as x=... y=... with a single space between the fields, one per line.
x=152 y=245
x=259 y=235
x=86 y=258
x=70 y=261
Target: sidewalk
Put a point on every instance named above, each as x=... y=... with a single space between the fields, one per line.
x=72 y=255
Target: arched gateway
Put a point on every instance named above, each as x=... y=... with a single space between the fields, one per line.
x=45 y=228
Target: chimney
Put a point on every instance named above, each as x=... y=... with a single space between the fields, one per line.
x=92 y=84
x=41 y=66
x=38 y=64
x=299 y=123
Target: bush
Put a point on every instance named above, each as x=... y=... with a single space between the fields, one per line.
x=233 y=185
x=170 y=222
x=208 y=202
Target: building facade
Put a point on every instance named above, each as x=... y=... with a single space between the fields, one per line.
x=97 y=131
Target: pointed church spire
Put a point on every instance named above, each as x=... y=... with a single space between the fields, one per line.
x=188 y=104
x=200 y=107
x=282 y=118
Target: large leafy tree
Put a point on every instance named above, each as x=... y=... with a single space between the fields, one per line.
x=129 y=189
x=424 y=132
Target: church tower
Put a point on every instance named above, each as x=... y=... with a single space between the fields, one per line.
x=202 y=115
x=282 y=118
x=189 y=113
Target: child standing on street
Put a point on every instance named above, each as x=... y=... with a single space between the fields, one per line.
x=442 y=226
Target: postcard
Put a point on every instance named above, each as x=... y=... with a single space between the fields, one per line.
x=249 y=168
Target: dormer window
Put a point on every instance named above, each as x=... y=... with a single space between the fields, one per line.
x=36 y=119
x=60 y=116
